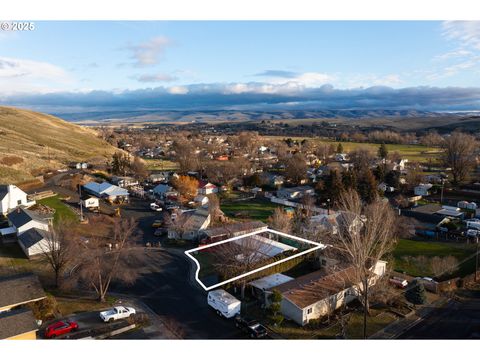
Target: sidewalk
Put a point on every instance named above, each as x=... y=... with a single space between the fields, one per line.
x=400 y=326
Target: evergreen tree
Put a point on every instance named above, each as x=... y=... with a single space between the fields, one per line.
x=392 y=178
x=416 y=293
x=368 y=187
x=334 y=185
x=339 y=148
x=379 y=173
x=382 y=151
x=274 y=314
x=349 y=179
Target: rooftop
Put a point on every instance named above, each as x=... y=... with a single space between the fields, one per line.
x=21 y=216
x=32 y=236
x=20 y=288
x=13 y=323
x=311 y=288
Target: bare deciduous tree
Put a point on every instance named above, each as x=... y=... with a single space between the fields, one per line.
x=60 y=249
x=106 y=260
x=459 y=154
x=241 y=256
x=443 y=265
x=280 y=221
x=365 y=243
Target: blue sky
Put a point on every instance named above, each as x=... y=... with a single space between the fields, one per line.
x=166 y=64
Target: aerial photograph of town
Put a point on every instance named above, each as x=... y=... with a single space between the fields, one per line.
x=262 y=181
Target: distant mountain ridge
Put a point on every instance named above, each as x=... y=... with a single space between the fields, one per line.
x=240 y=115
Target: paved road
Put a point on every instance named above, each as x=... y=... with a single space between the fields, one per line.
x=165 y=287
x=457 y=320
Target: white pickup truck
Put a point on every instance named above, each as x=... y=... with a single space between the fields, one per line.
x=118 y=312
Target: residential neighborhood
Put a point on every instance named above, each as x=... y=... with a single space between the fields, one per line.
x=241 y=183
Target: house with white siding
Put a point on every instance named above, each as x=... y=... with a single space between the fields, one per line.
x=316 y=294
x=11 y=197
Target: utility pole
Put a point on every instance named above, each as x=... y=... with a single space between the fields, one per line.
x=441 y=193
x=81 y=205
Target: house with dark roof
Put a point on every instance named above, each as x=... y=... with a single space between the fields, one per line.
x=35 y=241
x=31 y=230
x=21 y=220
x=11 y=197
x=16 y=322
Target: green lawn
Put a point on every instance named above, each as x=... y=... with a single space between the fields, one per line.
x=430 y=249
x=249 y=209
x=62 y=211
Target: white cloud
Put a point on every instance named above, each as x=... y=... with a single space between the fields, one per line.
x=178 y=90
x=467 y=33
x=150 y=52
x=23 y=75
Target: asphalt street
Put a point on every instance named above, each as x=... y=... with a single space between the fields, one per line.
x=458 y=320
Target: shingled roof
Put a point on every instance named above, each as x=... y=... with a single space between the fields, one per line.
x=17 y=322
x=32 y=236
x=21 y=216
x=19 y=289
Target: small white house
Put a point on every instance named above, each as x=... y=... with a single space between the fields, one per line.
x=207 y=188
x=422 y=189
x=194 y=222
x=314 y=295
x=21 y=220
x=35 y=242
x=12 y=197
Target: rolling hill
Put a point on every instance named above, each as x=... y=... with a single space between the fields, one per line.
x=32 y=141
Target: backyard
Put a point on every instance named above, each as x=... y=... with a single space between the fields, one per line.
x=61 y=209
x=254 y=209
x=408 y=249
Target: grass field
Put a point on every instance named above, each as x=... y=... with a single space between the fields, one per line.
x=430 y=249
x=160 y=165
x=62 y=211
x=249 y=209
x=41 y=141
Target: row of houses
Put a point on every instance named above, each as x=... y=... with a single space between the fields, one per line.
x=27 y=227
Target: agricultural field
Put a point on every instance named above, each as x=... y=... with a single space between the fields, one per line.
x=418 y=153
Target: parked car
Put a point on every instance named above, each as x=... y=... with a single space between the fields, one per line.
x=60 y=328
x=160 y=231
x=398 y=282
x=155 y=207
x=157 y=223
x=117 y=313
x=252 y=327
x=225 y=304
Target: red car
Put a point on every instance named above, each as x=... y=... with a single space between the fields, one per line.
x=60 y=328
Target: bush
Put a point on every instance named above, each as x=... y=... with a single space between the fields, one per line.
x=45 y=309
x=416 y=294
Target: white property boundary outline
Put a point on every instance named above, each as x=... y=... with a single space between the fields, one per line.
x=317 y=246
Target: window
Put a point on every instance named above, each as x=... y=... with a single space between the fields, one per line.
x=324 y=262
x=19 y=202
x=309 y=310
